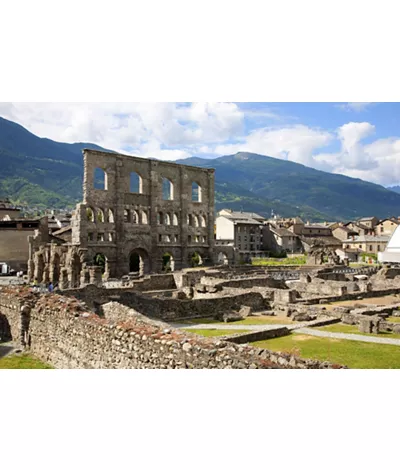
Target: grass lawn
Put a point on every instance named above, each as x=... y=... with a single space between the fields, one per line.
x=263 y=320
x=394 y=319
x=23 y=361
x=342 y=328
x=215 y=332
x=296 y=260
x=354 y=354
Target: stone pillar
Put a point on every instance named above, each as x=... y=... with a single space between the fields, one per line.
x=95 y=275
x=64 y=281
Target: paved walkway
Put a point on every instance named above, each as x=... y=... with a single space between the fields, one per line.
x=350 y=336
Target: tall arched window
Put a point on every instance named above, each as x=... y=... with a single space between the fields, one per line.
x=195 y=221
x=100 y=179
x=135 y=217
x=127 y=216
x=160 y=218
x=203 y=221
x=90 y=214
x=110 y=216
x=135 y=183
x=99 y=215
x=145 y=219
x=196 y=192
x=167 y=219
x=174 y=219
x=167 y=190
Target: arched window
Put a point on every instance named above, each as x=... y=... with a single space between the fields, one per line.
x=99 y=215
x=196 y=192
x=127 y=216
x=189 y=239
x=167 y=190
x=160 y=218
x=145 y=219
x=110 y=236
x=135 y=217
x=100 y=179
x=135 y=183
x=190 y=220
x=195 y=221
x=174 y=219
x=90 y=214
x=110 y=216
x=203 y=221
x=167 y=219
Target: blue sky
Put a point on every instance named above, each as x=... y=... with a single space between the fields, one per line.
x=361 y=140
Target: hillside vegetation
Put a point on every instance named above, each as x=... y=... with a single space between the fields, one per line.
x=43 y=173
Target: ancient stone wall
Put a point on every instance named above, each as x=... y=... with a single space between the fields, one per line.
x=64 y=334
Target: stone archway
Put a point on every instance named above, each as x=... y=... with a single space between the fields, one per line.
x=168 y=263
x=195 y=259
x=222 y=258
x=139 y=262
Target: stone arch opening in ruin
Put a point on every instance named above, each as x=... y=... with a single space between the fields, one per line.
x=56 y=268
x=139 y=262
x=196 y=221
x=99 y=215
x=100 y=259
x=90 y=214
x=203 y=222
x=76 y=268
x=160 y=218
x=190 y=220
x=168 y=263
x=135 y=217
x=196 y=192
x=175 y=219
x=127 y=216
x=135 y=183
x=145 y=219
x=110 y=216
x=167 y=189
x=195 y=259
x=222 y=258
x=167 y=219
x=100 y=179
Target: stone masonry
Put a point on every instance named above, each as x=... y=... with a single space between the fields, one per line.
x=139 y=212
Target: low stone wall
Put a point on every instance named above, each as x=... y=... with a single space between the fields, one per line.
x=166 y=308
x=352 y=296
x=252 y=336
x=63 y=333
x=244 y=283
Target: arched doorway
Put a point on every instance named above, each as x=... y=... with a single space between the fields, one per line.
x=195 y=260
x=100 y=260
x=222 y=258
x=168 y=263
x=139 y=262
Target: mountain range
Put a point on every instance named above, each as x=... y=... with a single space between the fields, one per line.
x=43 y=173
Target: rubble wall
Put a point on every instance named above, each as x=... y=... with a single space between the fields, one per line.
x=66 y=335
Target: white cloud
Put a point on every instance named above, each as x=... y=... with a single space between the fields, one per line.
x=354 y=155
x=356 y=107
x=296 y=143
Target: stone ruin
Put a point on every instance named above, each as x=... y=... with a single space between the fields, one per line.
x=137 y=216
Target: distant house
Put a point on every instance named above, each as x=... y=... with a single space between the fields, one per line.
x=242 y=229
x=391 y=254
x=386 y=227
x=360 y=228
x=8 y=211
x=370 y=222
x=351 y=254
x=367 y=243
x=343 y=233
x=277 y=239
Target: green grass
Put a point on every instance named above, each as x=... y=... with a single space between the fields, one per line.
x=215 y=332
x=264 y=320
x=23 y=361
x=341 y=328
x=298 y=260
x=394 y=319
x=354 y=354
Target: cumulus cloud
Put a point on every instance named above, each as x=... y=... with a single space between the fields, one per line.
x=357 y=107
